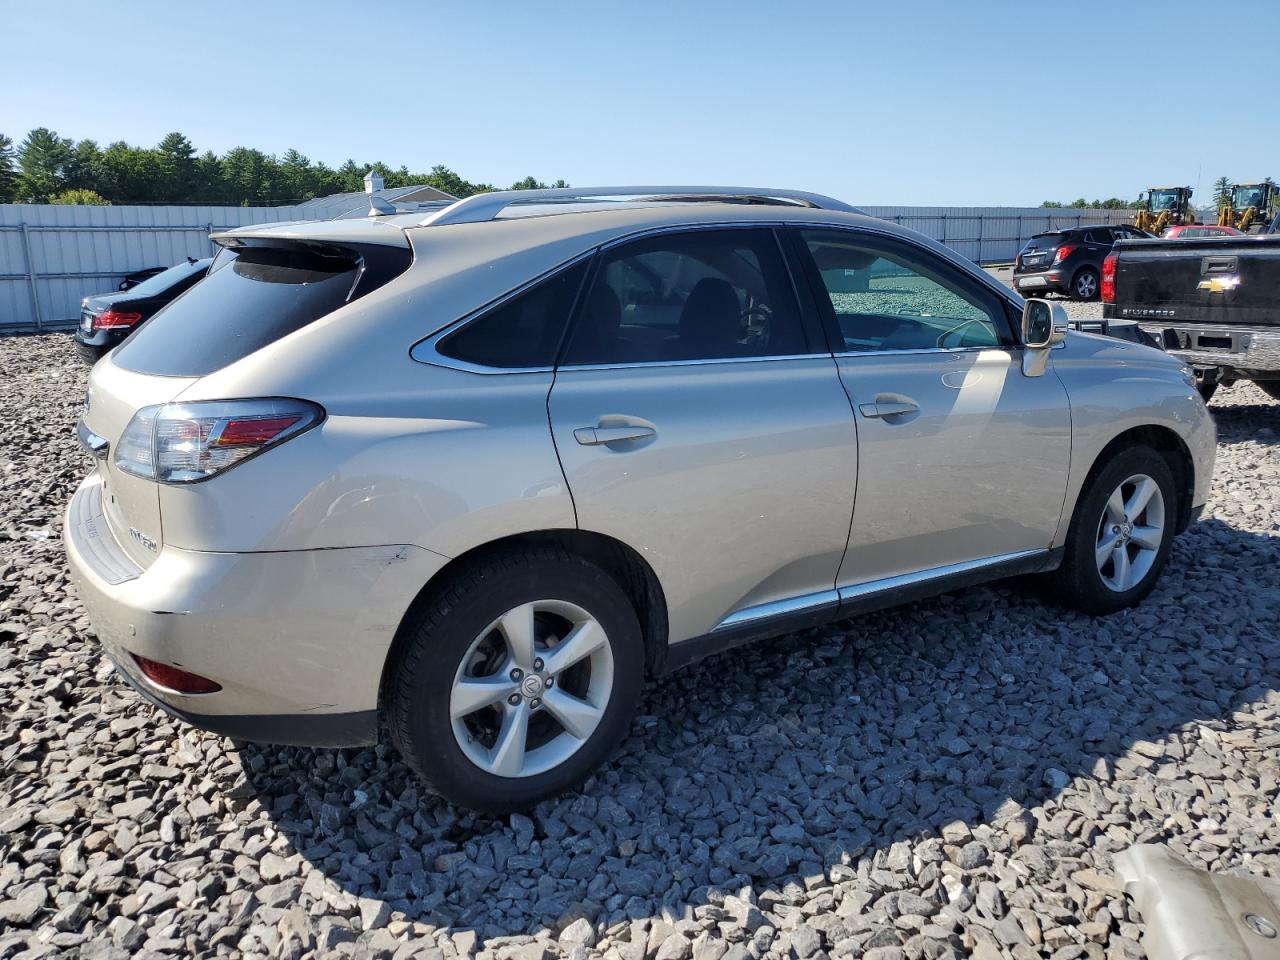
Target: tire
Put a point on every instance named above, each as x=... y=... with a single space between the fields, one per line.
x=1270 y=387
x=1084 y=285
x=458 y=651
x=1083 y=581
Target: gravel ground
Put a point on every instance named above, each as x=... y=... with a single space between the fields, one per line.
x=947 y=779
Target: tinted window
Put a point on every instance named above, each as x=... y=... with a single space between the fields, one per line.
x=890 y=296
x=259 y=296
x=1043 y=241
x=165 y=279
x=703 y=295
x=524 y=331
x=1100 y=236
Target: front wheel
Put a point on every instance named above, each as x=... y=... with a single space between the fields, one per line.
x=515 y=683
x=1085 y=285
x=1121 y=533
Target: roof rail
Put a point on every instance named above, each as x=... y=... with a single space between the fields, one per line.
x=482 y=207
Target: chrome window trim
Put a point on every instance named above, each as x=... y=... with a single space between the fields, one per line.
x=644 y=364
x=778 y=608
x=852 y=354
x=855 y=591
x=426 y=351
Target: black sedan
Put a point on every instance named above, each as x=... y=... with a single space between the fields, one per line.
x=108 y=318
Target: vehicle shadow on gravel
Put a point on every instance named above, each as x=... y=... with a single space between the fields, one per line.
x=765 y=767
x=1258 y=422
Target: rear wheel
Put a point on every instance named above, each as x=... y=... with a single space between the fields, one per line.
x=518 y=681
x=1121 y=533
x=1270 y=387
x=1085 y=284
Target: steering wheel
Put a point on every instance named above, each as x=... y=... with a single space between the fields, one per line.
x=956 y=329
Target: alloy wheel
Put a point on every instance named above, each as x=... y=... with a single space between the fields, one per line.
x=532 y=688
x=1130 y=533
x=1086 y=286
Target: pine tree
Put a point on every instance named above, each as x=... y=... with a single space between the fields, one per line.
x=8 y=170
x=42 y=158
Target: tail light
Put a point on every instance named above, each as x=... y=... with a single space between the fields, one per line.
x=171 y=678
x=1064 y=251
x=1109 y=278
x=115 y=320
x=189 y=442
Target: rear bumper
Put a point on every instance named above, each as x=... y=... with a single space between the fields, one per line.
x=92 y=347
x=1029 y=284
x=296 y=639
x=1252 y=352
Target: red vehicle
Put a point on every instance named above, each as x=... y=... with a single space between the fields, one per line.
x=1198 y=231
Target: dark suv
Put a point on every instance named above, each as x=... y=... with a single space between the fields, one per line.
x=1068 y=261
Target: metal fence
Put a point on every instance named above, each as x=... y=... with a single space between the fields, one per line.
x=53 y=256
x=989 y=235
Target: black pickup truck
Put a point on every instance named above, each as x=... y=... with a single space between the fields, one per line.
x=1214 y=302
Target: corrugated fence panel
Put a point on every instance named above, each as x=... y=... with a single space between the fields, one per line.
x=993 y=234
x=74 y=251
x=77 y=251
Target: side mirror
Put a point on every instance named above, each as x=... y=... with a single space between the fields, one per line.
x=1044 y=324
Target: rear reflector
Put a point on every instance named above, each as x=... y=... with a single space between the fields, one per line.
x=171 y=678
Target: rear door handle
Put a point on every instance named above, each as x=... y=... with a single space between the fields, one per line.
x=594 y=436
x=887 y=408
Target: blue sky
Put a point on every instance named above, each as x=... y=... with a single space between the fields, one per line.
x=997 y=103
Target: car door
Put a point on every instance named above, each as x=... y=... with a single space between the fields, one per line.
x=962 y=457
x=700 y=419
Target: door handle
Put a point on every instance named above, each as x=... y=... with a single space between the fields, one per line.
x=888 y=408
x=594 y=436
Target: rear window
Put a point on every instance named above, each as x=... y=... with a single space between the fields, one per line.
x=1043 y=241
x=165 y=279
x=252 y=297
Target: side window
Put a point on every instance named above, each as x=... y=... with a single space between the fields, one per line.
x=887 y=295
x=525 y=331
x=702 y=295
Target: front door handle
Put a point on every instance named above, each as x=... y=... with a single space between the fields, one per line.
x=594 y=436
x=888 y=408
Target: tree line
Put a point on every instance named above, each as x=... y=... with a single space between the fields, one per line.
x=1111 y=203
x=47 y=168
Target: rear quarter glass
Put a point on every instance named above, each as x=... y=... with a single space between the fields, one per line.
x=263 y=293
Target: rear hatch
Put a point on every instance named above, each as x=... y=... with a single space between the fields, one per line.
x=131 y=504
x=1212 y=280
x=1037 y=255
x=261 y=289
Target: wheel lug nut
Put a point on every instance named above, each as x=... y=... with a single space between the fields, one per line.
x=535 y=703
x=514 y=699
x=1115 y=529
x=550 y=681
x=537 y=664
x=517 y=674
